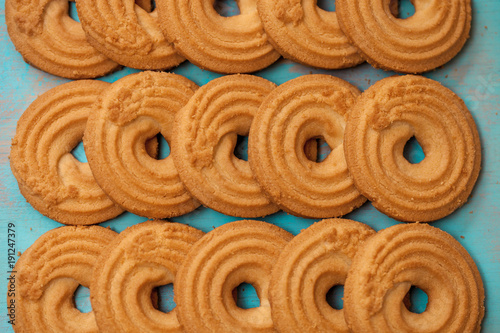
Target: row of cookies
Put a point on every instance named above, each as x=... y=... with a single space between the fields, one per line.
x=119 y=32
x=366 y=132
x=291 y=276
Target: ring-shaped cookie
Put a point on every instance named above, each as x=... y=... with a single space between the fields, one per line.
x=237 y=252
x=205 y=135
x=127 y=33
x=49 y=39
x=405 y=255
x=310 y=264
x=142 y=257
x=305 y=33
x=384 y=118
x=51 y=179
x=236 y=44
x=430 y=38
x=133 y=110
x=307 y=107
x=49 y=272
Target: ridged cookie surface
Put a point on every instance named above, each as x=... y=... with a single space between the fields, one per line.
x=49 y=272
x=430 y=38
x=237 y=252
x=314 y=261
x=49 y=39
x=236 y=44
x=305 y=33
x=127 y=33
x=305 y=108
x=378 y=127
x=142 y=257
x=51 y=179
x=205 y=135
x=132 y=111
x=405 y=255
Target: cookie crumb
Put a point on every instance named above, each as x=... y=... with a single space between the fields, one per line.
x=462 y=237
x=486 y=27
x=18 y=253
x=471 y=212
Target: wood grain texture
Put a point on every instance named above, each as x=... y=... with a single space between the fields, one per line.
x=474 y=75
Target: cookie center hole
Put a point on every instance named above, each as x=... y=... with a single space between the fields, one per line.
x=163 y=298
x=79 y=153
x=334 y=297
x=241 y=148
x=417 y=300
x=316 y=149
x=402 y=9
x=226 y=8
x=163 y=147
x=148 y=5
x=81 y=297
x=245 y=296
x=72 y=11
x=327 y=5
x=413 y=151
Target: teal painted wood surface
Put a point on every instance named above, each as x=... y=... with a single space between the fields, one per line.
x=474 y=75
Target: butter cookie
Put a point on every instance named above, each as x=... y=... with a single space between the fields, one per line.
x=385 y=117
x=234 y=253
x=49 y=272
x=127 y=33
x=49 y=39
x=406 y=255
x=142 y=257
x=314 y=261
x=205 y=135
x=305 y=33
x=130 y=112
x=51 y=179
x=236 y=44
x=311 y=106
x=430 y=38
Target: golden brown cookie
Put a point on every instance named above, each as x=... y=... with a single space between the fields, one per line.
x=311 y=106
x=205 y=135
x=142 y=257
x=237 y=252
x=428 y=39
x=133 y=110
x=127 y=33
x=405 y=255
x=49 y=272
x=384 y=118
x=236 y=44
x=305 y=33
x=51 y=179
x=314 y=261
x=49 y=39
